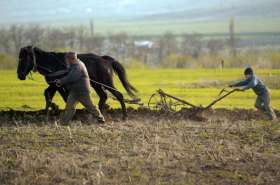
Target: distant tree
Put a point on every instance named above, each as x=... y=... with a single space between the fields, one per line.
x=118 y=43
x=91 y=27
x=167 y=45
x=94 y=44
x=70 y=37
x=232 y=37
x=5 y=40
x=81 y=34
x=17 y=37
x=214 y=46
x=57 y=38
x=34 y=34
x=192 y=45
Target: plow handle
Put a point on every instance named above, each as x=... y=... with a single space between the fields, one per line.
x=220 y=97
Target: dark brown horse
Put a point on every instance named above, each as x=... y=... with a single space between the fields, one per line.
x=53 y=66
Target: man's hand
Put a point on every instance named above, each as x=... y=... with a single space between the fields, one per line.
x=58 y=83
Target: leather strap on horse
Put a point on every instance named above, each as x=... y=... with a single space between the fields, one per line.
x=35 y=64
x=34 y=60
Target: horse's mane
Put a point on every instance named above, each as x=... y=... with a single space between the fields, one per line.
x=53 y=60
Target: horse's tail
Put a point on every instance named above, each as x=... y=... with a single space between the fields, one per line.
x=120 y=70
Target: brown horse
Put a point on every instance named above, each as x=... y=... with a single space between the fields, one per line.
x=53 y=66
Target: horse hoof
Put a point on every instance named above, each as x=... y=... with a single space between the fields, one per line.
x=107 y=107
x=55 y=107
x=124 y=118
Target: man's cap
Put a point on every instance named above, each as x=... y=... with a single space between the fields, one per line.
x=248 y=71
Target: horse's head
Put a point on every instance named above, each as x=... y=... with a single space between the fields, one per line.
x=25 y=62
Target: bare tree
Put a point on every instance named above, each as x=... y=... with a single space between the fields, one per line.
x=94 y=44
x=232 y=37
x=17 y=37
x=91 y=26
x=214 y=46
x=81 y=34
x=191 y=45
x=166 y=45
x=70 y=37
x=5 y=40
x=34 y=34
x=57 y=38
x=169 y=43
x=118 y=43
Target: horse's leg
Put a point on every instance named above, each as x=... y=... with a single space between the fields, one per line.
x=64 y=93
x=102 y=96
x=119 y=97
x=49 y=94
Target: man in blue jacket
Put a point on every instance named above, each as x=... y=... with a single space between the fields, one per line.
x=263 y=96
x=78 y=83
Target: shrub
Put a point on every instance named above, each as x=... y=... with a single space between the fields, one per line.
x=135 y=64
x=177 y=61
x=275 y=59
x=7 y=61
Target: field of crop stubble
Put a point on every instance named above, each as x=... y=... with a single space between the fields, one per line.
x=237 y=146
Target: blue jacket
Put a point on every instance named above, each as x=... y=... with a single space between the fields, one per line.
x=256 y=84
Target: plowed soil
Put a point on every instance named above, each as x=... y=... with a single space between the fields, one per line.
x=138 y=114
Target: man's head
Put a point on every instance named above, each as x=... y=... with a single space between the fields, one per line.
x=71 y=57
x=248 y=72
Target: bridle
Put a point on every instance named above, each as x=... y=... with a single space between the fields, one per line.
x=35 y=64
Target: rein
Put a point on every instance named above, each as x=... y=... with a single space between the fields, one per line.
x=99 y=83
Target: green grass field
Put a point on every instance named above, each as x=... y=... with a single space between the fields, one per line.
x=199 y=86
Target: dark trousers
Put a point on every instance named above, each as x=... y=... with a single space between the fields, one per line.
x=85 y=100
x=263 y=104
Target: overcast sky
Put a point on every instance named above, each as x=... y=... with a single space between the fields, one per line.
x=29 y=10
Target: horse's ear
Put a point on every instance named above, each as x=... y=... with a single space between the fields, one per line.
x=24 y=48
x=28 y=49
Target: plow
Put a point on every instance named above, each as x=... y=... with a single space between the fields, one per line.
x=164 y=101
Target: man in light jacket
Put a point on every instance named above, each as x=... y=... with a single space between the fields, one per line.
x=77 y=81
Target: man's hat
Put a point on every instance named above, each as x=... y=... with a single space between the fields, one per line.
x=248 y=71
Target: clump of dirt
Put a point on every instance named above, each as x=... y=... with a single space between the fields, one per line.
x=237 y=114
x=229 y=114
x=141 y=113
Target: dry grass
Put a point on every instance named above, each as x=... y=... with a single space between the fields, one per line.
x=146 y=149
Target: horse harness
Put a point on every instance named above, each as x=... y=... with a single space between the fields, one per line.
x=57 y=73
